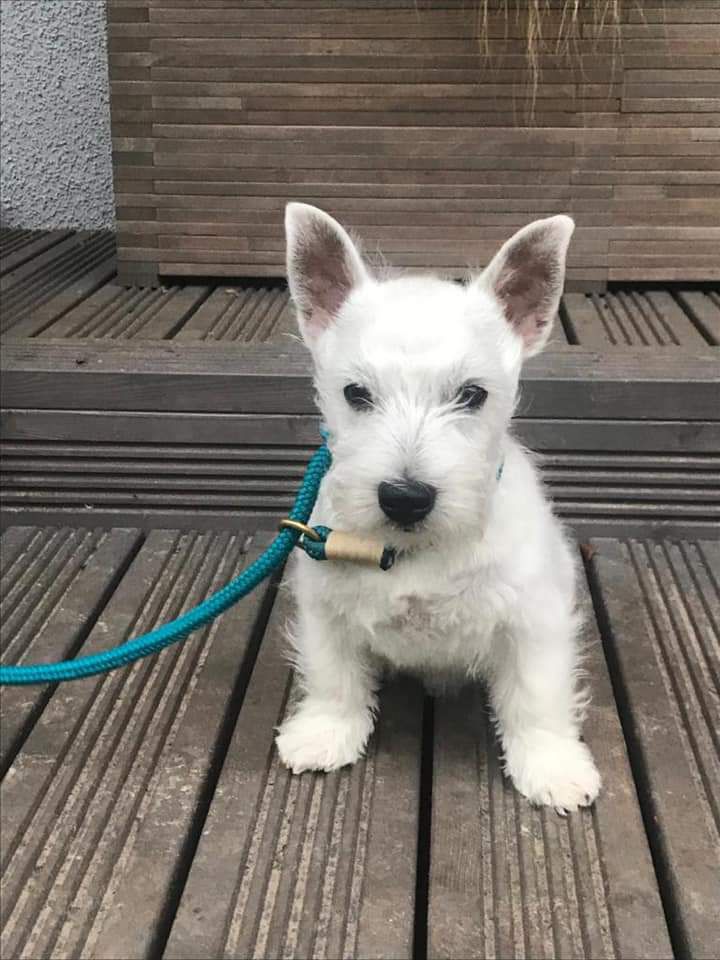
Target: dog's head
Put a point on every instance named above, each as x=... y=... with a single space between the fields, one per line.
x=416 y=377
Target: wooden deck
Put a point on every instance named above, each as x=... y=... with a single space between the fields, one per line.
x=150 y=438
x=62 y=285
x=146 y=814
x=192 y=404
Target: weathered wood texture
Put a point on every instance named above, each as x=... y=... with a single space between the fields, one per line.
x=273 y=378
x=660 y=612
x=55 y=289
x=508 y=880
x=341 y=848
x=151 y=431
x=45 y=277
x=629 y=319
x=146 y=813
x=397 y=118
x=54 y=583
x=144 y=406
x=118 y=767
x=150 y=484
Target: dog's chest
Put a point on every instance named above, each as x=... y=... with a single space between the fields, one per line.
x=448 y=625
x=414 y=614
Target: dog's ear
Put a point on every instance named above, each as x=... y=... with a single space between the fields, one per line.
x=526 y=276
x=323 y=266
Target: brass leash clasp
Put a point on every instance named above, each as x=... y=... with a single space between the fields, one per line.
x=302 y=528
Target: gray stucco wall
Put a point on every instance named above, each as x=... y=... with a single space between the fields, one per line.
x=55 y=155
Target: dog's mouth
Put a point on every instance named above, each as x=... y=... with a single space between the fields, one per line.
x=407 y=536
x=411 y=528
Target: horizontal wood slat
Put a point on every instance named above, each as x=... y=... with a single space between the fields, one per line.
x=156 y=405
x=212 y=377
x=272 y=431
x=214 y=484
x=387 y=114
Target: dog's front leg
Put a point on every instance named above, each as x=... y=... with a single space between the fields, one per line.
x=331 y=725
x=537 y=706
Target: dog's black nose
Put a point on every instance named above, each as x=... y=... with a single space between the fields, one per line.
x=406 y=502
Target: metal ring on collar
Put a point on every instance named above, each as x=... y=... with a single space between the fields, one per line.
x=300 y=528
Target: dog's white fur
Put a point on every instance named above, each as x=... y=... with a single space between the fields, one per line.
x=485 y=587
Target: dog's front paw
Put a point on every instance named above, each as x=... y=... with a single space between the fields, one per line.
x=552 y=770
x=318 y=738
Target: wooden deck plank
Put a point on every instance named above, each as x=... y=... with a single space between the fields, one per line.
x=661 y=610
x=316 y=865
x=631 y=319
x=105 y=750
x=663 y=521
x=117 y=312
x=107 y=798
x=556 y=434
x=44 y=262
x=174 y=309
x=584 y=321
x=35 y=244
x=56 y=279
x=28 y=283
x=38 y=318
x=254 y=482
x=206 y=470
x=72 y=321
x=12 y=239
x=46 y=463
x=60 y=303
x=127 y=925
x=704 y=308
x=513 y=881
x=213 y=317
x=60 y=582
x=162 y=376
x=12 y=543
x=250 y=314
x=558 y=337
x=670 y=314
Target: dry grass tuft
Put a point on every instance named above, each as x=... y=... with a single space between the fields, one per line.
x=553 y=28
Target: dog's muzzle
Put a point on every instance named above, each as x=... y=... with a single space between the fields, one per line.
x=406 y=502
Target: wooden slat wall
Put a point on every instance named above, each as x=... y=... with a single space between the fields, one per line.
x=390 y=114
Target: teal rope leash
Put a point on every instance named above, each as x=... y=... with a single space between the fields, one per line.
x=169 y=633
x=319 y=542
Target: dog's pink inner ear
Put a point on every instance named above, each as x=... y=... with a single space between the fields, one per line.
x=527 y=278
x=527 y=286
x=325 y=276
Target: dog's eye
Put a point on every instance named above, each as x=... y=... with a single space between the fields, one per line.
x=357 y=396
x=471 y=396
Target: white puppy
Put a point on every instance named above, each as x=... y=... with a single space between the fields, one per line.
x=416 y=379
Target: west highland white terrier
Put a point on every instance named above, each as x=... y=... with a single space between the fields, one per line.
x=417 y=379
